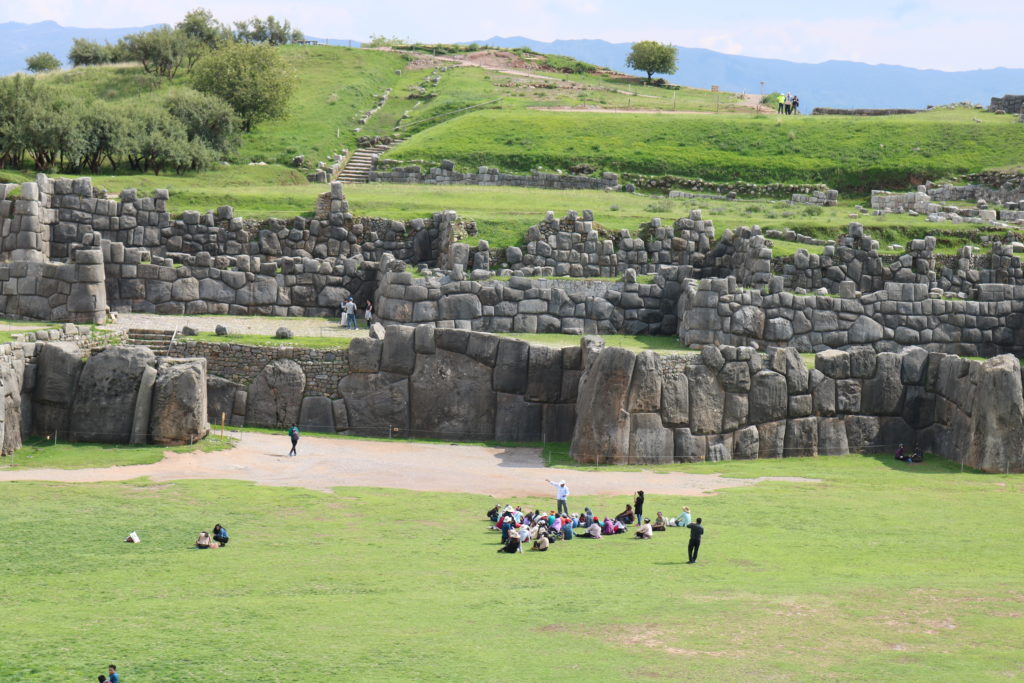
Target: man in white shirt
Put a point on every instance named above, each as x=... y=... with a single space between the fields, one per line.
x=562 y=495
x=350 y=308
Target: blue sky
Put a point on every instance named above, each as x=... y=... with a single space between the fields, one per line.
x=942 y=34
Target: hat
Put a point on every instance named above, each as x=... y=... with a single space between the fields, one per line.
x=686 y=509
x=561 y=483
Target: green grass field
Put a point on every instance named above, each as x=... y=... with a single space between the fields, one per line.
x=45 y=452
x=846 y=153
x=878 y=572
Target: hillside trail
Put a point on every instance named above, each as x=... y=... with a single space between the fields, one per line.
x=325 y=463
x=511 y=64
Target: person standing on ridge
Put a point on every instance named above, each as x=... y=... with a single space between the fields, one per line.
x=638 y=506
x=562 y=495
x=781 y=100
x=696 y=531
x=293 y=433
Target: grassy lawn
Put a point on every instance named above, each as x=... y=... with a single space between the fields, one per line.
x=858 y=577
x=844 y=152
x=42 y=452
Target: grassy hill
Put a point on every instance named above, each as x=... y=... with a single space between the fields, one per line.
x=845 y=152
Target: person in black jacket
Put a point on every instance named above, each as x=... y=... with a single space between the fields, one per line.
x=638 y=506
x=696 y=531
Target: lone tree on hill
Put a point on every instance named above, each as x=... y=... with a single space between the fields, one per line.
x=42 y=61
x=252 y=78
x=652 y=57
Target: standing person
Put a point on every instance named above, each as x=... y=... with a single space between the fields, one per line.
x=112 y=675
x=342 y=313
x=781 y=99
x=796 y=104
x=293 y=433
x=789 y=103
x=369 y=313
x=350 y=309
x=638 y=506
x=562 y=495
x=696 y=531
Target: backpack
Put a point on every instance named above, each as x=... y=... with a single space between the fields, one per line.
x=293 y=432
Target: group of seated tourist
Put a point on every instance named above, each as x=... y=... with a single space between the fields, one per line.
x=520 y=528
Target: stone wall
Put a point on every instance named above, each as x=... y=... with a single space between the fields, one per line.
x=735 y=403
x=531 y=305
x=817 y=198
x=445 y=174
x=716 y=311
x=1011 y=104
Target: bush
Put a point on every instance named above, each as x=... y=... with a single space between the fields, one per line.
x=252 y=78
x=42 y=61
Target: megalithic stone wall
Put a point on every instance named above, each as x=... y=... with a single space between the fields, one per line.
x=734 y=403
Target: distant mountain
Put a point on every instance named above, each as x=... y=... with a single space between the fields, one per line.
x=18 y=41
x=829 y=84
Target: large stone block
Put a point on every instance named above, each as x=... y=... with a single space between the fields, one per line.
x=646 y=388
x=883 y=394
x=516 y=420
x=675 y=400
x=649 y=441
x=178 y=412
x=769 y=397
x=220 y=398
x=364 y=354
x=511 y=367
x=398 y=354
x=771 y=441
x=801 y=437
x=707 y=400
x=602 y=424
x=377 y=403
x=274 y=397
x=746 y=444
x=316 y=415
x=103 y=408
x=689 y=448
x=832 y=436
x=997 y=423
x=450 y=397
x=57 y=368
x=544 y=375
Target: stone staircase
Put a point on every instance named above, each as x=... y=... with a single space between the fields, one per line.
x=358 y=168
x=157 y=340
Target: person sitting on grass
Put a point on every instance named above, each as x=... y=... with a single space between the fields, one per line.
x=918 y=455
x=659 y=523
x=593 y=531
x=567 y=530
x=541 y=543
x=645 y=531
x=619 y=526
x=684 y=517
x=511 y=544
x=204 y=541
x=608 y=528
x=492 y=514
x=626 y=516
x=587 y=518
x=220 y=534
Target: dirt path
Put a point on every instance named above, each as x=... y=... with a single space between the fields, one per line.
x=324 y=463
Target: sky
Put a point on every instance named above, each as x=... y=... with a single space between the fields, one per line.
x=951 y=35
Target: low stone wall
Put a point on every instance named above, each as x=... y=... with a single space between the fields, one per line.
x=1011 y=104
x=817 y=198
x=735 y=403
x=445 y=174
x=531 y=305
x=716 y=311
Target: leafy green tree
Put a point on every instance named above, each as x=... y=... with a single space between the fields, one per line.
x=18 y=95
x=253 y=79
x=653 y=58
x=162 y=51
x=269 y=30
x=42 y=61
x=87 y=52
x=206 y=118
x=201 y=26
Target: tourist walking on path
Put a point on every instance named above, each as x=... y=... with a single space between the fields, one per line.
x=293 y=433
x=562 y=495
x=696 y=531
x=350 y=309
x=638 y=506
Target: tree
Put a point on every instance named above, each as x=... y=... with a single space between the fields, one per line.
x=253 y=79
x=652 y=58
x=87 y=52
x=269 y=30
x=207 y=118
x=162 y=51
x=42 y=61
x=201 y=26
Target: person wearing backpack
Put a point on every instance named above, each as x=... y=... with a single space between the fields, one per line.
x=293 y=432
